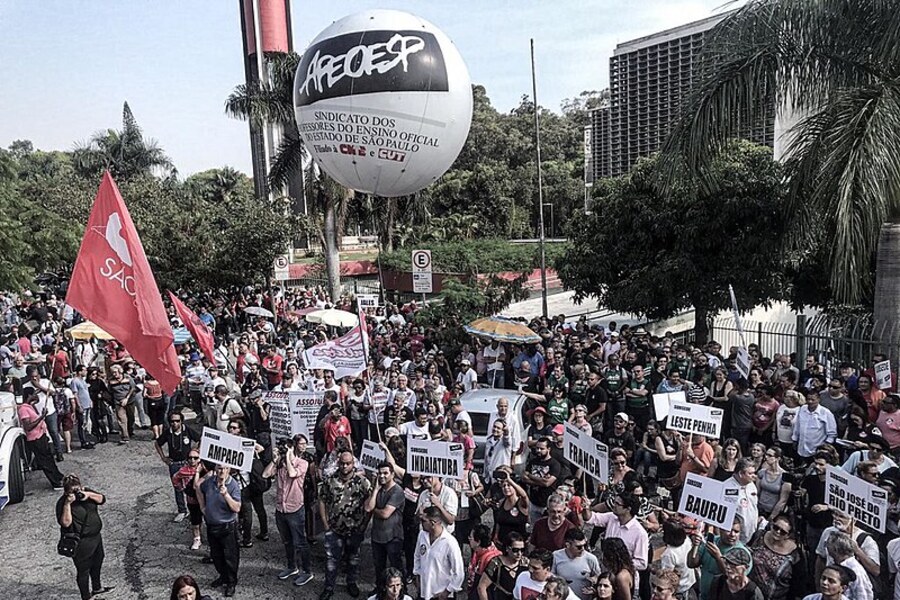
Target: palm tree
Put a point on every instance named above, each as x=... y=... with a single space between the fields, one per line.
x=836 y=65
x=125 y=153
x=273 y=102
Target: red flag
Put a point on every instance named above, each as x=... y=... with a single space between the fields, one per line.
x=198 y=328
x=113 y=286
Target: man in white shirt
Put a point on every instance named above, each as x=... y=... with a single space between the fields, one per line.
x=840 y=550
x=418 y=427
x=814 y=426
x=440 y=496
x=513 y=428
x=865 y=547
x=467 y=376
x=748 y=497
x=530 y=584
x=45 y=391
x=438 y=561
x=494 y=356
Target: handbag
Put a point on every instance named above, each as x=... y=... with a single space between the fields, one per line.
x=68 y=543
x=477 y=502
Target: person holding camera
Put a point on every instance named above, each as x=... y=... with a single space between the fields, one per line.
x=76 y=512
x=220 y=500
x=290 y=470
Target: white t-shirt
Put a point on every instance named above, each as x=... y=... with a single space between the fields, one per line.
x=468 y=379
x=576 y=570
x=784 y=423
x=893 y=557
x=528 y=589
x=868 y=545
x=676 y=559
x=494 y=358
x=224 y=413
x=412 y=429
x=448 y=499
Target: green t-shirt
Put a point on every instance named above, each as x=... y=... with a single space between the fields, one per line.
x=639 y=401
x=559 y=410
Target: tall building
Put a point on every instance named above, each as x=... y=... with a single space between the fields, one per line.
x=649 y=77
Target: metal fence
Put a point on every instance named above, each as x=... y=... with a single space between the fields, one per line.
x=832 y=339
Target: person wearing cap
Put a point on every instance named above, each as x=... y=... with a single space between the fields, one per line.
x=734 y=582
x=457 y=413
x=876 y=450
x=620 y=436
x=709 y=551
x=467 y=377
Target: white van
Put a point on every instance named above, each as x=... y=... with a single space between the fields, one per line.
x=12 y=452
x=481 y=404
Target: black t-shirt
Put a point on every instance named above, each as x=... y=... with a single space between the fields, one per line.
x=624 y=441
x=179 y=444
x=594 y=397
x=253 y=415
x=85 y=517
x=815 y=494
x=541 y=469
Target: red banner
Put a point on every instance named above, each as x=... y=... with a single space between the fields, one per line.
x=200 y=332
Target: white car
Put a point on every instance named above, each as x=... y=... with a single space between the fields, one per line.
x=12 y=452
x=481 y=404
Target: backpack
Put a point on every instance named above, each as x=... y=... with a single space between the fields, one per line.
x=879 y=583
x=62 y=403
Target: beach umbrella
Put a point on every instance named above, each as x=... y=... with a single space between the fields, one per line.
x=87 y=330
x=333 y=318
x=502 y=330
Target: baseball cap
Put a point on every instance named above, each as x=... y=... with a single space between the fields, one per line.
x=738 y=556
x=194 y=356
x=623 y=416
x=559 y=429
x=420 y=410
x=391 y=432
x=465 y=361
x=538 y=409
x=454 y=402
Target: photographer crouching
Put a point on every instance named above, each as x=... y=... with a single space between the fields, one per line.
x=79 y=520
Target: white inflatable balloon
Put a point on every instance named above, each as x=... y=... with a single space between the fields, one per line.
x=383 y=101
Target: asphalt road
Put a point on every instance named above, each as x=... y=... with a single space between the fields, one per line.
x=145 y=550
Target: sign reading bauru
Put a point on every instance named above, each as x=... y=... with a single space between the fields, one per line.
x=708 y=500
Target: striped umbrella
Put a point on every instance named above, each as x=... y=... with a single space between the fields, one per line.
x=182 y=335
x=502 y=330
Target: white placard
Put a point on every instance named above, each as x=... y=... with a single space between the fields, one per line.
x=304 y=408
x=364 y=301
x=279 y=413
x=440 y=459
x=586 y=453
x=866 y=503
x=661 y=403
x=709 y=500
x=371 y=456
x=225 y=449
x=883 y=375
x=698 y=419
x=421 y=271
x=743 y=362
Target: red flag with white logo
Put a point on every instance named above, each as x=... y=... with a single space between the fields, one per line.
x=113 y=286
x=198 y=328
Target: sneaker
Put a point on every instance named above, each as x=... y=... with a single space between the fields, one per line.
x=59 y=457
x=247 y=544
x=353 y=590
x=229 y=591
x=263 y=537
x=288 y=573
x=103 y=590
x=196 y=544
x=217 y=582
x=179 y=517
x=303 y=579
x=57 y=488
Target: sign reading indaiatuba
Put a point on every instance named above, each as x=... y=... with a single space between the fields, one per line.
x=439 y=459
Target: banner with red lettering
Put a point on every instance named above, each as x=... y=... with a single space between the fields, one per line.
x=113 y=286
x=199 y=331
x=345 y=355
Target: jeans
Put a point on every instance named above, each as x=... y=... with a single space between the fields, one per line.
x=88 y=561
x=386 y=555
x=337 y=549
x=142 y=418
x=224 y=550
x=292 y=529
x=52 y=422
x=179 y=494
x=496 y=378
x=84 y=422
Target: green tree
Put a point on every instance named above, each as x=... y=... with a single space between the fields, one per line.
x=836 y=66
x=655 y=254
x=125 y=153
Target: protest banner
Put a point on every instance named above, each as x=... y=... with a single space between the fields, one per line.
x=225 y=449
x=661 y=403
x=371 y=456
x=345 y=355
x=279 y=413
x=866 y=503
x=883 y=375
x=586 y=453
x=293 y=412
x=698 y=419
x=364 y=301
x=440 y=459
x=708 y=500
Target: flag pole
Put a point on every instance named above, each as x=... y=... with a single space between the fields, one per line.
x=537 y=149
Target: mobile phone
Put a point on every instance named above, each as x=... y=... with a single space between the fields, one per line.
x=710 y=537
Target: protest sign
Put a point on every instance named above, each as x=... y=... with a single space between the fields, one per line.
x=743 y=362
x=709 y=500
x=364 y=301
x=586 y=453
x=345 y=355
x=371 y=456
x=293 y=412
x=279 y=414
x=661 y=403
x=225 y=449
x=883 y=375
x=440 y=459
x=695 y=418
x=866 y=503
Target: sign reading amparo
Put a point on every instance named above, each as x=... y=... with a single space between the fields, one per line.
x=439 y=459
x=383 y=102
x=225 y=449
x=695 y=418
x=866 y=503
x=709 y=500
x=586 y=453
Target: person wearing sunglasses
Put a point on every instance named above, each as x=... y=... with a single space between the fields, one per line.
x=183 y=480
x=179 y=441
x=574 y=564
x=499 y=576
x=778 y=565
x=664 y=585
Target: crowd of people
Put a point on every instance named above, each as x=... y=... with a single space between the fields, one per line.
x=522 y=522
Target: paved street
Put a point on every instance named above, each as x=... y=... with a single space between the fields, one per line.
x=145 y=551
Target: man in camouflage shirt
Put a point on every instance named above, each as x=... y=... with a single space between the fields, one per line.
x=342 y=499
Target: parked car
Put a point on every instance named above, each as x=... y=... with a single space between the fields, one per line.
x=481 y=404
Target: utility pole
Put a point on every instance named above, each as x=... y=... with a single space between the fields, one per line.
x=537 y=148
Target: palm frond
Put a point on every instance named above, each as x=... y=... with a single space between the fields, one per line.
x=287 y=161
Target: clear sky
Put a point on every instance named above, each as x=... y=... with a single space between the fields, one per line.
x=68 y=65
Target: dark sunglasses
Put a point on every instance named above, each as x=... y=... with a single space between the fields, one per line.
x=174 y=420
x=780 y=530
